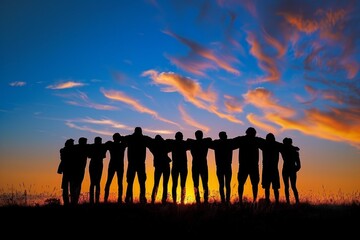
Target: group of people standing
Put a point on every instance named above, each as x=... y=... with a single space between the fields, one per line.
x=73 y=160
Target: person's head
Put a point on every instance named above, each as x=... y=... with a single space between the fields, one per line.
x=83 y=140
x=222 y=135
x=251 y=132
x=138 y=131
x=287 y=141
x=116 y=137
x=158 y=138
x=97 y=140
x=270 y=137
x=199 y=134
x=179 y=136
x=69 y=142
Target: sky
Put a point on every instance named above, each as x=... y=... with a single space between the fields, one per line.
x=86 y=68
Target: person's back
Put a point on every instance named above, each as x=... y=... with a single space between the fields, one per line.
x=179 y=148
x=223 y=150
x=290 y=156
x=136 y=147
x=249 y=153
x=199 y=149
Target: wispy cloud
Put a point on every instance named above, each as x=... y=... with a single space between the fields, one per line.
x=81 y=99
x=135 y=104
x=342 y=125
x=191 y=90
x=17 y=84
x=65 y=85
x=107 y=126
x=224 y=62
x=189 y=120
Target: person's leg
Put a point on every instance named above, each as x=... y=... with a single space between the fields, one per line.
x=220 y=177
x=204 y=179
x=119 y=174
x=130 y=176
x=174 y=177
x=166 y=175
x=183 y=177
x=157 y=175
x=228 y=175
x=111 y=172
x=142 y=180
x=195 y=177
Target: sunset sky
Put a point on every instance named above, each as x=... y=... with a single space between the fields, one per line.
x=85 y=68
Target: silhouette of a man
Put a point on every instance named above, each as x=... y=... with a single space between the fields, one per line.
x=160 y=149
x=81 y=155
x=179 y=147
x=65 y=168
x=116 y=149
x=199 y=149
x=97 y=155
x=136 y=153
x=223 y=149
x=270 y=171
x=291 y=166
x=248 y=162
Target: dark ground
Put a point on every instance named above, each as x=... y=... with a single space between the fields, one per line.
x=176 y=221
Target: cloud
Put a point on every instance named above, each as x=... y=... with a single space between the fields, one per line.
x=81 y=99
x=17 y=84
x=81 y=124
x=189 y=120
x=191 y=90
x=65 y=85
x=196 y=65
x=135 y=104
x=341 y=125
x=266 y=62
x=265 y=100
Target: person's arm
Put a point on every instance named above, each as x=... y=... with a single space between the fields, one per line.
x=60 y=167
x=297 y=161
x=212 y=144
x=261 y=142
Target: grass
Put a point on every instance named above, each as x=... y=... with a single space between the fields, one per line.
x=32 y=215
x=184 y=221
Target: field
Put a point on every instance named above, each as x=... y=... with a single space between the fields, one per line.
x=170 y=221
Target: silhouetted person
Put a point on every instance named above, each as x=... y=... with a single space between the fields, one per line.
x=136 y=154
x=270 y=171
x=97 y=155
x=248 y=161
x=64 y=168
x=291 y=166
x=80 y=161
x=179 y=168
x=160 y=149
x=223 y=149
x=116 y=149
x=199 y=149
